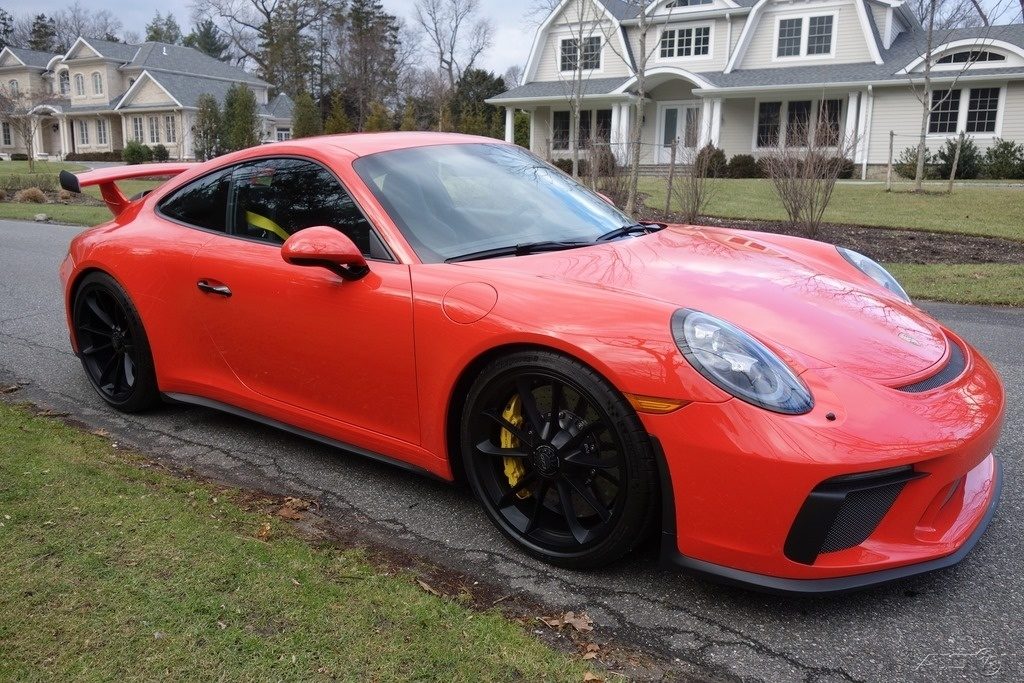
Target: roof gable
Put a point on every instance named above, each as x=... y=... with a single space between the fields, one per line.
x=186 y=60
x=13 y=56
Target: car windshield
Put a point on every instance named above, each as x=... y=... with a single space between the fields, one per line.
x=453 y=201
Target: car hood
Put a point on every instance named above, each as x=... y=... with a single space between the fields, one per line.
x=817 y=311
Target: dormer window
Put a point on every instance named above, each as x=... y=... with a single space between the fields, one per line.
x=585 y=58
x=65 y=83
x=12 y=87
x=80 y=85
x=687 y=3
x=807 y=36
x=97 y=84
x=971 y=56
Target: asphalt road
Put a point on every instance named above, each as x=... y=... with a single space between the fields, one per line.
x=964 y=623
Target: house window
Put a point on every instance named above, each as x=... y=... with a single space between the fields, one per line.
x=83 y=132
x=604 y=125
x=588 y=58
x=97 y=84
x=828 y=131
x=945 y=111
x=805 y=36
x=819 y=35
x=560 y=130
x=154 y=129
x=583 y=134
x=688 y=3
x=769 y=117
x=982 y=109
x=137 y=128
x=284 y=134
x=789 y=37
x=7 y=134
x=798 y=123
x=80 y=85
x=971 y=56
x=65 y=83
x=170 y=129
x=101 y=132
x=685 y=42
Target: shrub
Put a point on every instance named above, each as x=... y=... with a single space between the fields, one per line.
x=712 y=160
x=846 y=168
x=1004 y=160
x=64 y=195
x=19 y=156
x=136 y=153
x=906 y=164
x=160 y=153
x=3 y=195
x=969 y=164
x=744 y=166
x=31 y=195
x=565 y=165
x=94 y=156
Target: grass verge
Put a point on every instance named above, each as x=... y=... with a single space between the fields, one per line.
x=113 y=569
x=986 y=283
x=992 y=211
x=70 y=214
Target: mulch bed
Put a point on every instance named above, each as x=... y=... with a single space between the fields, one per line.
x=889 y=244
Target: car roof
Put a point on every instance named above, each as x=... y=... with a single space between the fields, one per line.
x=362 y=144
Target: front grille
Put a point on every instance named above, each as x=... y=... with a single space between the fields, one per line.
x=843 y=512
x=953 y=368
x=858 y=516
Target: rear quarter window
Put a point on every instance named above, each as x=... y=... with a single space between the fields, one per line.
x=202 y=203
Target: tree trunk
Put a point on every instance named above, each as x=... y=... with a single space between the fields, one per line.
x=956 y=160
x=925 y=113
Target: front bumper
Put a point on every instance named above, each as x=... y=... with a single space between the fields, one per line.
x=739 y=476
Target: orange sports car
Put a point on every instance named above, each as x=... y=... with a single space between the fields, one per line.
x=776 y=408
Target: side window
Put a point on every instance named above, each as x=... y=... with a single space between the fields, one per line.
x=274 y=198
x=202 y=203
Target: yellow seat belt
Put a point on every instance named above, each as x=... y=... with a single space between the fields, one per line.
x=255 y=220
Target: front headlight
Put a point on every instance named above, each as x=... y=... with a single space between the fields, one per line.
x=738 y=364
x=874 y=271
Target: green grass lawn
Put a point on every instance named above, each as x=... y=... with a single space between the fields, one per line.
x=974 y=210
x=987 y=283
x=115 y=570
x=49 y=167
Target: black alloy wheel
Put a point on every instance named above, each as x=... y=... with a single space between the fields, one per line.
x=559 y=459
x=112 y=344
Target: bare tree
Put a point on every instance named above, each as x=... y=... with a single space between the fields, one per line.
x=77 y=21
x=514 y=76
x=804 y=168
x=19 y=110
x=455 y=34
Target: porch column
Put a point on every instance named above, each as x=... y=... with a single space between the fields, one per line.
x=851 y=125
x=65 y=146
x=625 y=117
x=37 y=136
x=510 y=124
x=533 y=126
x=715 y=130
x=706 y=114
x=862 y=125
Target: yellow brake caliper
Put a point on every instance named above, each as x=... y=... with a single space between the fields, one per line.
x=514 y=468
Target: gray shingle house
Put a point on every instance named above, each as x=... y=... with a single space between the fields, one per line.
x=741 y=73
x=105 y=94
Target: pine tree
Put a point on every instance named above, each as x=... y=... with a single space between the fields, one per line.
x=207 y=39
x=44 y=34
x=207 y=127
x=338 y=121
x=6 y=28
x=379 y=119
x=163 y=29
x=306 y=117
x=241 y=124
x=409 y=118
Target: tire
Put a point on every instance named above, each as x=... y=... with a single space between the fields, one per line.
x=571 y=479
x=113 y=346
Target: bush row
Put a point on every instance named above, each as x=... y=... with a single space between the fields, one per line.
x=13 y=183
x=1004 y=160
x=94 y=156
x=137 y=153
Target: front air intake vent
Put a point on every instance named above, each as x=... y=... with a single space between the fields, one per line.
x=953 y=368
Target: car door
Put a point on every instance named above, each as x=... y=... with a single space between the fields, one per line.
x=301 y=335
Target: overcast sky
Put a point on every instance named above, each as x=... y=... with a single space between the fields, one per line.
x=511 y=41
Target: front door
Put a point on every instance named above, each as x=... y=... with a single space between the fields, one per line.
x=301 y=335
x=679 y=127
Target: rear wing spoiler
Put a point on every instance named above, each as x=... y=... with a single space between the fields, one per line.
x=107 y=179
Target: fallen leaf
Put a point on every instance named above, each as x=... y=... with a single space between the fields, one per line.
x=592 y=678
x=101 y=432
x=592 y=650
x=427 y=587
x=51 y=413
x=10 y=389
x=295 y=582
x=264 y=533
x=293 y=508
x=580 y=622
x=221 y=625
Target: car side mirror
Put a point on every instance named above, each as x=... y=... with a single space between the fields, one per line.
x=328 y=248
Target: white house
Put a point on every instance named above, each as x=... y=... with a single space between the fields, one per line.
x=103 y=94
x=740 y=73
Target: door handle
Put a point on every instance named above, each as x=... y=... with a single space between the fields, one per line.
x=205 y=286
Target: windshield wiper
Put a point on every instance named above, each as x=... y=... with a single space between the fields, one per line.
x=636 y=228
x=521 y=249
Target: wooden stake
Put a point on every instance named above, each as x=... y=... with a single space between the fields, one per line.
x=888 y=168
x=671 y=175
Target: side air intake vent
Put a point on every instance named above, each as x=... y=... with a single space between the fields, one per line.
x=954 y=367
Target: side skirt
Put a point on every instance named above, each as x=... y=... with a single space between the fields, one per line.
x=298 y=431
